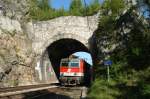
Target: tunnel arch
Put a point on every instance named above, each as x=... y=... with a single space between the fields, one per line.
x=59 y=36
x=44 y=33
x=58 y=49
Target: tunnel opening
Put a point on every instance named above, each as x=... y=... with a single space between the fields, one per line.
x=62 y=49
x=58 y=50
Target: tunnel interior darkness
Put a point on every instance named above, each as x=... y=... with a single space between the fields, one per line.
x=63 y=48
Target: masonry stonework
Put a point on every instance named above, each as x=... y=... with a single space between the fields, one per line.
x=44 y=33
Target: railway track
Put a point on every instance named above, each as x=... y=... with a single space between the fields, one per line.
x=75 y=92
x=24 y=89
x=65 y=93
x=44 y=91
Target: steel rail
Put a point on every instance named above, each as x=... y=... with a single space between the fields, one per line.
x=24 y=89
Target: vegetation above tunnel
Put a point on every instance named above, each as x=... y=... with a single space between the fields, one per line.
x=42 y=10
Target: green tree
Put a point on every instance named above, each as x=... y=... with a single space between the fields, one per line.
x=44 y=5
x=76 y=8
x=60 y=12
x=109 y=11
x=42 y=10
x=93 y=8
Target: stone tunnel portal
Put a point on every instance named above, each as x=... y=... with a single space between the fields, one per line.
x=59 y=49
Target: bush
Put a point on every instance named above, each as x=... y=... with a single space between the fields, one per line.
x=102 y=89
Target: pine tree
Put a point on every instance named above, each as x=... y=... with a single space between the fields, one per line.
x=60 y=12
x=42 y=10
x=110 y=10
x=44 y=4
x=76 y=7
x=93 y=8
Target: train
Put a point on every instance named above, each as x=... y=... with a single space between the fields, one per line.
x=75 y=71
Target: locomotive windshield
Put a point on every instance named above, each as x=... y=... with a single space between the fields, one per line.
x=70 y=63
x=73 y=64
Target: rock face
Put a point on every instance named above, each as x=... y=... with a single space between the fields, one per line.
x=16 y=57
x=15 y=53
x=16 y=9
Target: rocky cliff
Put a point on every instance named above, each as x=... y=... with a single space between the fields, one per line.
x=15 y=9
x=16 y=56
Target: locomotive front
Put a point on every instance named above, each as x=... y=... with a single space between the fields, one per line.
x=71 y=71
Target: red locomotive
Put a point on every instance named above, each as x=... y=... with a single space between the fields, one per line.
x=75 y=71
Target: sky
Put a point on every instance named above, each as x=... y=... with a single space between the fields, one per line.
x=84 y=55
x=66 y=3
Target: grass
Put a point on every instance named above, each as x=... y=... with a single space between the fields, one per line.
x=102 y=89
x=130 y=85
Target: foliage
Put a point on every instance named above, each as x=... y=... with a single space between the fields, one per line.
x=110 y=10
x=93 y=8
x=126 y=85
x=130 y=71
x=76 y=8
x=43 y=4
x=134 y=50
x=42 y=10
x=103 y=90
